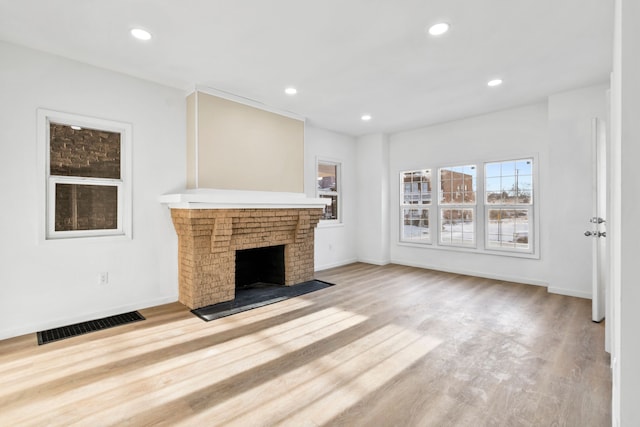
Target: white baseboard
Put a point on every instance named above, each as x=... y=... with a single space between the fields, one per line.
x=483 y=274
x=515 y=279
x=569 y=292
x=56 y=323
x=374 y=261
x=335 y=264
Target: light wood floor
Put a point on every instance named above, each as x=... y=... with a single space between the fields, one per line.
x=387 y=346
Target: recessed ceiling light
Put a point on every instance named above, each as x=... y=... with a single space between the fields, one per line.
x=141 y=34
x=494 y=82
x=291 y=91
x=366 y=117
x=439 y=29
x=76 y=127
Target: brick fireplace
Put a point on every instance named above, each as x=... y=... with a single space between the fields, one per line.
x=212 y=225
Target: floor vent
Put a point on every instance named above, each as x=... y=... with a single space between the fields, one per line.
x=57 y=334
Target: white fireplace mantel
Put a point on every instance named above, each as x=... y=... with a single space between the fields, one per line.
x=210 y=198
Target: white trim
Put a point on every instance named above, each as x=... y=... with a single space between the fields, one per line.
x=210 y=198
x=53 y=234
x=338 y=193
x=70 y=320
x=196 y=142
x=531 y=208
x=514 y=279
x=404 y=206
x=569 y=292
x=375 y=261
x=469 y=250
x=330 y=224
x=335 y=264
x=125 y=206
x=470 y=206
x=614 y=218
x=480 y=214
x=247 y=101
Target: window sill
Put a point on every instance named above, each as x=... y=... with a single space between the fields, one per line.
x=330 y=224
x=432 y=246
x=71 y=240
x=416 y=245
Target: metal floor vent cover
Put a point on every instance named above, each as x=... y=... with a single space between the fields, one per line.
x=57 y=334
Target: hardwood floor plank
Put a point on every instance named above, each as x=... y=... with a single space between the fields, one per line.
x=389 y=345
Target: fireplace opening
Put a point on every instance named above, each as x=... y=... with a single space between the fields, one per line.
x=260 y=267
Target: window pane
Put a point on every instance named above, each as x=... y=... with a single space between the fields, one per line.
x=513 y=185
x=525 y=187
x=524 y=198
x=508 y=228
x=330 y=211
x=86 y=207
x=469 y=197
x=524 y=167
x=458 y=185
x=508 y=183
x=327 y=177
x=493 y=170
x=458 y=227
x=86 y=152
x=417 y=187
x=415 y=226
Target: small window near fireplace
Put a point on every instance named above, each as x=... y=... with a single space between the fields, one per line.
x=87 y=170
x=329 y=188
x=260 y=266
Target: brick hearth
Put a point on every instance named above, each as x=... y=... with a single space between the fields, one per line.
x=208 y=240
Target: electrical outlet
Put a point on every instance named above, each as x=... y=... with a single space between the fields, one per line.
x=104 y=278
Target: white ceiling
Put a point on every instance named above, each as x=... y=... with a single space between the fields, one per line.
x=345 y=57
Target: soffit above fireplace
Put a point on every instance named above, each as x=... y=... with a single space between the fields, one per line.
x=209 y=198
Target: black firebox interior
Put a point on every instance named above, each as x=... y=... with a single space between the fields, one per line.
x=260 y=267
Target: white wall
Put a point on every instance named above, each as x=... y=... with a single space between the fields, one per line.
x=373 y=199
x=334 y=244
x=559 y=133
x=626 y=380
x=49 y=284
x=513 y=133
x=570 y=194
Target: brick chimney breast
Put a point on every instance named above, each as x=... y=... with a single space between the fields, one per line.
x=209 y=234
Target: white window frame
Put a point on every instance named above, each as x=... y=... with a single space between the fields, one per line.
x=421 y=205
x=481 y=210
x=48 y=182
x=337 y=193
x=460 y=206
x=531 y=209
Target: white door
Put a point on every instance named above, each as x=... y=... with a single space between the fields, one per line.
x=597 y=230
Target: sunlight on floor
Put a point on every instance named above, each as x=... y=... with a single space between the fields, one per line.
x=330 y=384
x=163 y=376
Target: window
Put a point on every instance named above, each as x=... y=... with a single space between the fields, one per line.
x=86 y=167
x=415 y=199
x=509 y=205
x=329 y=188
x=457 y=205
x=496 y=203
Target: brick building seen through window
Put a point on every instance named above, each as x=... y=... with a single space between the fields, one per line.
x=85 y=167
